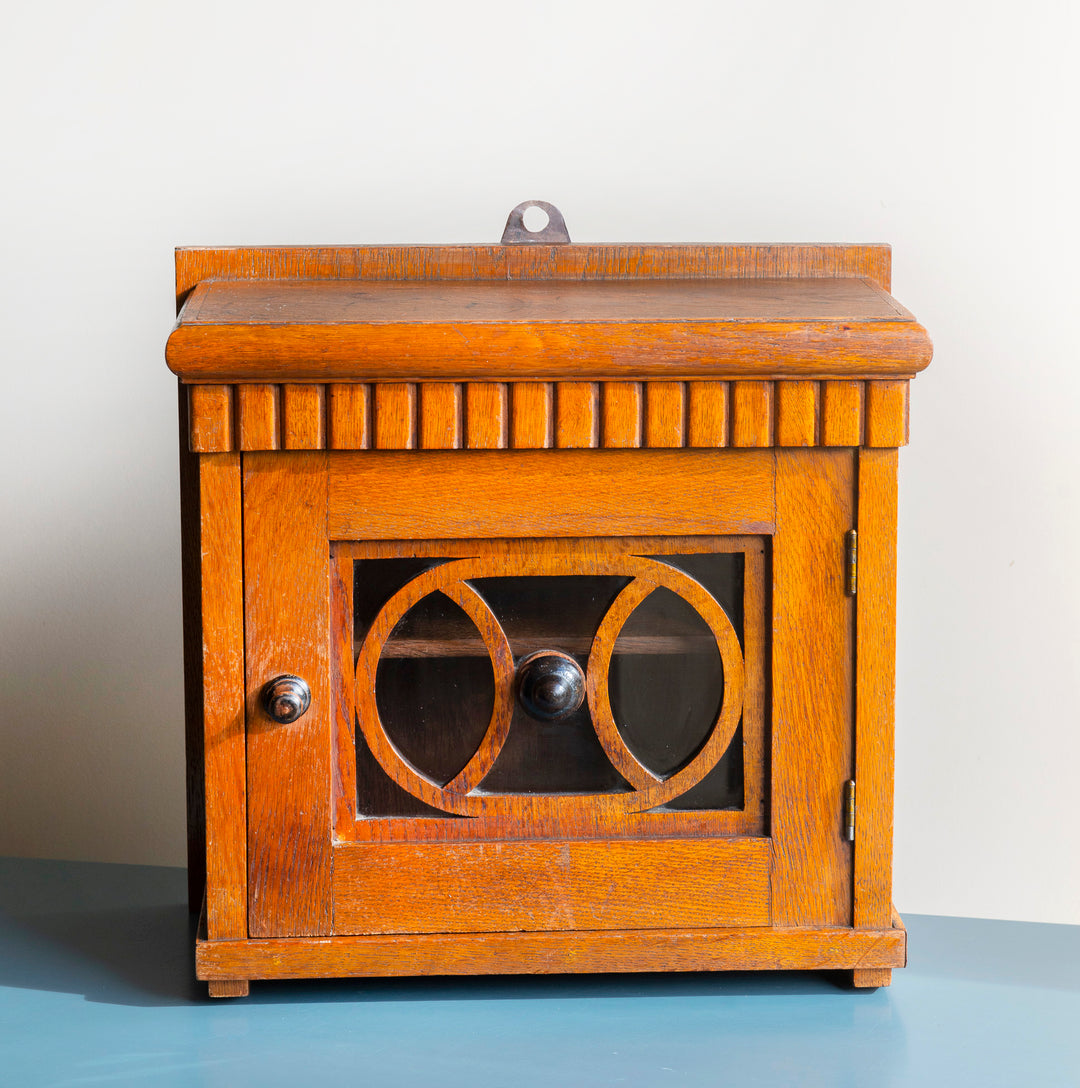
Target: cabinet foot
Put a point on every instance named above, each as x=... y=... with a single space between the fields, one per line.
x=229 y=987
x=871 y=977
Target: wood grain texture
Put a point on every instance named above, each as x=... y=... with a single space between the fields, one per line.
x=486 y=329
x=665 y=414
x=577 y=415
x=796 y=413
x=598 y=352
x=751 y=414
x=532 y=420
x=286 y=603
x=194 y=738
x=390 y=496
x=707 y=413
x=560 y=262
x=342 y=666
x=755 y=948
x=875 y=685
x=303 y=413
x=228 y=987
x=441 y=418
x=542 y=818
x=841 y=413
x=487 y=415
x=210 y=411
x=621 y=415
x=394 y=410
x=871 y=977
x=349 y=417
x=886 y=414
x=222 y=619
x=533 y=886
x=812 y=688
x=258 y=417
x=538 y=415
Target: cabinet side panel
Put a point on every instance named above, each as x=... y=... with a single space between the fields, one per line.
x=875 y=687
x=812 y=688
x=222 y=610
x=193 y=696
x=286 y=594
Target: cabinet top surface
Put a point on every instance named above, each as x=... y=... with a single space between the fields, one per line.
x=564 y=302
x=677 y=318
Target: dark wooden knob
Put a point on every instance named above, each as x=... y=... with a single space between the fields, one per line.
x=286 y=698
x=550 y=685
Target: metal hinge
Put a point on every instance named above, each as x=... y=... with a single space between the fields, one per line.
x=849 y=810
x=851 y=562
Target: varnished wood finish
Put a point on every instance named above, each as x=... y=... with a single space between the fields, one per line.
x=521 y=412
x=665 y=414
x=286 y=608
x=401 y=496
x=751 y=414
x=487 y=415
x=886 y=414
x=796 y=413
x=841 y=413
x=303 y=417
x=441 y=420
x=228 y=987
x=559 y=262
x=755 y=948
x=349 y=417
x=394 y=410
x=532 y=425
x=812 y=688
x=222 y=612
x=621 y=415
x=708 y=411
x=537 y=886
x=570 y=415
x=258 y=417
x=210 y=412
x=322 y=330
x=453 y=579
x=577 y=415
x=875 y=687
x=563 y=819
x=871 y=977
x=194 y=737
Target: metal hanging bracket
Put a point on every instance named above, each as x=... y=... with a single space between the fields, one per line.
x=554 y=232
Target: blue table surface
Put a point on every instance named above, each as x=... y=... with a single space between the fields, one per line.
x=97 y=988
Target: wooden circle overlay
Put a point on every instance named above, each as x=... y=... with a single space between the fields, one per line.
x=392 y=761
x=651 y=789
x=502 y=663
x=450 y=578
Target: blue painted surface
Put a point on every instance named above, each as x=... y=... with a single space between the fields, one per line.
x=96 y=988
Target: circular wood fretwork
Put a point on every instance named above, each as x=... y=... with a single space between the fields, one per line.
x=461 y=795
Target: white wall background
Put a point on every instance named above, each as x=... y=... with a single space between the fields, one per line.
x=948 y=129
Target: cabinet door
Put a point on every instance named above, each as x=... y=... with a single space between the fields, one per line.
x=422 y=792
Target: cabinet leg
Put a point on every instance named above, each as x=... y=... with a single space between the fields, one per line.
x=229 y=987
x=871 y=977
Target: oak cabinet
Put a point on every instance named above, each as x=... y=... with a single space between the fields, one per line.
x=539 y=607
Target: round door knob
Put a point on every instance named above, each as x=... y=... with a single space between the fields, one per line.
x=550 y=685
x=286 y=698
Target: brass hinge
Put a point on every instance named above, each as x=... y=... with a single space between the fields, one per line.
x=849 y=810
x=851 y=562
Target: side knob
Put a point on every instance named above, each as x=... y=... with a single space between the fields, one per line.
x=286 y=698
x=550 y=685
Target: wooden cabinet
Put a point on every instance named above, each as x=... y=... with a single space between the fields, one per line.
x=540 y=606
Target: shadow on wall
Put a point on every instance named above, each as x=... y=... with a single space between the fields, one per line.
x=93 y=728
